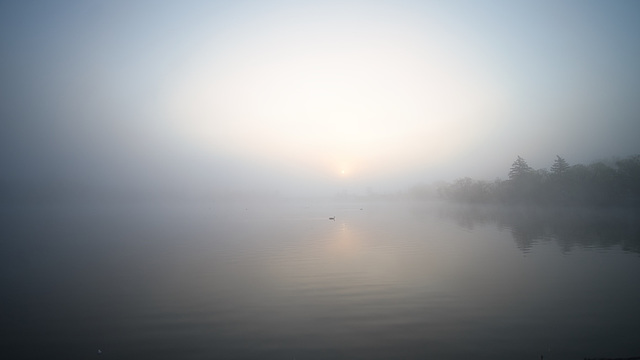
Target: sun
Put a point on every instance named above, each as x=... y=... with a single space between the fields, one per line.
x=343 y=170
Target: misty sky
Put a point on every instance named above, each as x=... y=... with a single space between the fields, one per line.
x=314 y=97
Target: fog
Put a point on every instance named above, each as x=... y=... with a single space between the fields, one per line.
x=229 y=99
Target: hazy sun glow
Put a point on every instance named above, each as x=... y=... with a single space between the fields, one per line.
x=283 y=96
x=372 y=95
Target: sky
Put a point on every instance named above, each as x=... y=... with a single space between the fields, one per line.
x=309 y=97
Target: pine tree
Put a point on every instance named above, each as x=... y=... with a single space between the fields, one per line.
x=559 y=166
x=519 y=168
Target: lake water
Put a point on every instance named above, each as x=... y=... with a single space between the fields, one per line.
x=281 y=281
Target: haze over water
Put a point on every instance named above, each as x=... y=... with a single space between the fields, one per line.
x=272 y=281
x=168 y=171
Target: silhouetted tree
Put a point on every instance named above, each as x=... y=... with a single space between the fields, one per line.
x=522 y=184
x=603 y=186
x=560 y=166
x=519 y=168
x=556 y=191
x=629 y=179
x=598 y=184
x=576 y=179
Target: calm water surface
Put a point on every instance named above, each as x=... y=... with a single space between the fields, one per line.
x=282 y=281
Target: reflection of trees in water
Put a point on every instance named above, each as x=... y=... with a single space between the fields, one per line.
x=569 y=227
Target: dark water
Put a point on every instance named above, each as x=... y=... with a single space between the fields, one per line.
x=281 y=281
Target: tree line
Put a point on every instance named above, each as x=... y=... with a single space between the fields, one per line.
x=597 y=184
